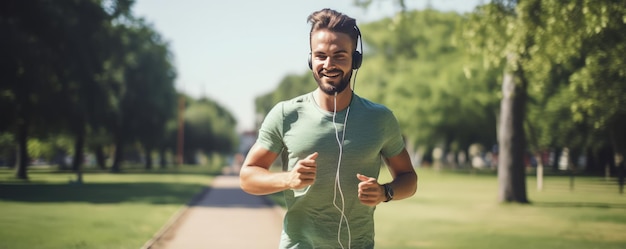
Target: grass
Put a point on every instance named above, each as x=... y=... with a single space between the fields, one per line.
x=454 y=210
x=108 y=211
x=461 y=210
x=450 y=210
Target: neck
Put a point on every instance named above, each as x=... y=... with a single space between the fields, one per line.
x=327 y=102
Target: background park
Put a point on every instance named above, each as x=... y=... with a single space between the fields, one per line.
x=514 y=113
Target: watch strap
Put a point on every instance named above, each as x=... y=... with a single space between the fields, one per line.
x=388 y=192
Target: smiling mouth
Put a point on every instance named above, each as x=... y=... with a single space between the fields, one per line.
x=331 y=74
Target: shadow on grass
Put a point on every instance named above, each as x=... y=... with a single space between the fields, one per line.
x=132 y=171
x=579 y=205
x=101 y=193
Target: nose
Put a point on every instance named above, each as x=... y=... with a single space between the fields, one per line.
x=329 y=63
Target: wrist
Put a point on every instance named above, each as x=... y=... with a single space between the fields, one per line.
x=388 y=191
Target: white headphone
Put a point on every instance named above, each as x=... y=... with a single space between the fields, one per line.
x=337 y=187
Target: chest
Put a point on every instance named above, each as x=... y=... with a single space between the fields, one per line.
x=359 y=136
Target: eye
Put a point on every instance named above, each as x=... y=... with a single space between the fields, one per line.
x=320 y=57
x=340 y=57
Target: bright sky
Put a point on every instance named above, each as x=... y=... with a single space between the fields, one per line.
x=234 y=51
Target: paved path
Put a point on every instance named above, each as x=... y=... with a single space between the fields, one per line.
x=223 y=216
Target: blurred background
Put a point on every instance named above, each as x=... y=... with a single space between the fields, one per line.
x=101 y=83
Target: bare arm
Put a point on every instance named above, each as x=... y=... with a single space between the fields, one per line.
x=256 y=178
x=404 y=183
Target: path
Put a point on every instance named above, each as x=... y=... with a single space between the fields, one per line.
x=223 y=217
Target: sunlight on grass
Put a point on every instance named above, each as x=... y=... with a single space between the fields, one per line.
x=452 y=210
x=108 y=211
x=461 y=210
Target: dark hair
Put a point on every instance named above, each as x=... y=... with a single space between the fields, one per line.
x=334 y=21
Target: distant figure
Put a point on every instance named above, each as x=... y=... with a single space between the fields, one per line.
x=331 y=143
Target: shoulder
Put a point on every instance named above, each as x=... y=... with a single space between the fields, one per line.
x=375 y=113
x=372 y=107
x=304 y=98
x=287 y=106
x=285 y=109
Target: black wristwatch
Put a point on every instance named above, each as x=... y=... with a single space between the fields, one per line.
x=388 y=192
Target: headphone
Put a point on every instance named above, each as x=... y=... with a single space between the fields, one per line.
x=357 y=57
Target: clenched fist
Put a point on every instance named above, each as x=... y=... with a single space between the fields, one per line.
x=370 y=192
x=303 y=174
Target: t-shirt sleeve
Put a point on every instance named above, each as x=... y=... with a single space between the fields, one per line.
x=271 y=131
x=394 y=144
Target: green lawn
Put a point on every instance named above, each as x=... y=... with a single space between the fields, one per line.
x=452 y=210
x=108 y=211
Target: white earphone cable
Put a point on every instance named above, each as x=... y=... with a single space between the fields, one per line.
x=337 y=176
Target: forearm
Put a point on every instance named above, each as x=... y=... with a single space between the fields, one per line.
x=260 y=181
x=404 y=185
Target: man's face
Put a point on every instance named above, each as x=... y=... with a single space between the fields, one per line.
x=331 y=60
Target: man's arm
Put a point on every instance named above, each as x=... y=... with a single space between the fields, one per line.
x=256 y=178
x=404 y=183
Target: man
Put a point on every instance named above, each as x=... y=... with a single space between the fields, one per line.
x=332 y=144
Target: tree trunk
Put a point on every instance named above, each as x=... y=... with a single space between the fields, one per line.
x=148 y=156
x=100 y=159
x=119 y=154
x=511 y=139
x=77 y=163
x=21 y=161
x=78 y=149
x=162 y=158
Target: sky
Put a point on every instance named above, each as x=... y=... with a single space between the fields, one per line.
x=232 y=51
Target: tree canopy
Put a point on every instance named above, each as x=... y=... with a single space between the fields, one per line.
x=88 y=75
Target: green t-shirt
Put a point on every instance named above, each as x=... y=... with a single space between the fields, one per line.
x=298 y=127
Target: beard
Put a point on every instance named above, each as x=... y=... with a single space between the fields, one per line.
x=331 y=89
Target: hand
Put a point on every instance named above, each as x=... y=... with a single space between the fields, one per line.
x=303 y=174
x=370 y=192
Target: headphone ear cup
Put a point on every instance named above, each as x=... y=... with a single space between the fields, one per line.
x=357 y=59
x=310 y=63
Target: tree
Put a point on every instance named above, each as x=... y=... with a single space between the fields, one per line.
x=208 y=128
x=563 y=57
x=28 y=64
x=53 y=56
x=417 y=65
x=501 y=31
x=147 y=99
x=580 y=75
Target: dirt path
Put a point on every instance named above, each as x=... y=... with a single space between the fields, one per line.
x=223 y=217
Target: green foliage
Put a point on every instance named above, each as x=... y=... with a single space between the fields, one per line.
x=578 y=72
x=417 y=65
x=209 y=127
x=289 y=87
x=90 y=71
x=571 y=54
x=148 y=98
